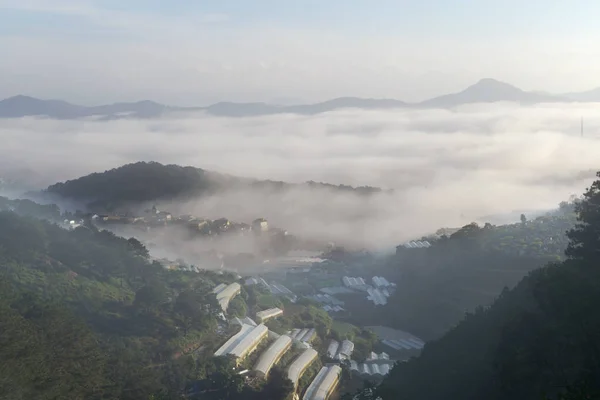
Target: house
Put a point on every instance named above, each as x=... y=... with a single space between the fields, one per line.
x=332 y=349
x=272 y=355
x=324 y=383
x=225 y=293
x=244 y=342
x=300 y=364
x=221 y=225
x=346 y=349
x=355 y=283
x=242 y=321
x=164 y=216
x=380 y=282
x=201 y=225
x=260 y=225
x=264 y=315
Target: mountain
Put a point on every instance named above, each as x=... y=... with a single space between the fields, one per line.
x=230 y=109
x=255 y=109
x=150 y=181
x=485 y=91
x=587 y=96
x=22 y=106
x=536 y=341
x=489 y=91
x=346 y=102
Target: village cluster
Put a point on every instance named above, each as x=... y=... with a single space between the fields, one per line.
x=254 y=334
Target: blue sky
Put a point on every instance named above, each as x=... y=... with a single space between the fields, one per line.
x=203 y=51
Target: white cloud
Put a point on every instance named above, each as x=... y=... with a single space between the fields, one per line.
x=448 y=167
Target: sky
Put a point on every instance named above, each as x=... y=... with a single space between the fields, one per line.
x=186 y=52
x=447 y=167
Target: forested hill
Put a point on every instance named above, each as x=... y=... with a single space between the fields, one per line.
x=85 y=315
x=538 y=340
x=436 y=285
x=150 y=181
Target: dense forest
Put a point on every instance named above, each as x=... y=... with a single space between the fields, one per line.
x=538 y=340
x=437 y=285
x=150 y=181
x=135 y=183
x=84 y=314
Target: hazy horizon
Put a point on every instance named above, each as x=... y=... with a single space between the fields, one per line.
x=290 y=101
x=188 y=53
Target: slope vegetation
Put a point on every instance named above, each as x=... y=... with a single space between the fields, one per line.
x=538 y=340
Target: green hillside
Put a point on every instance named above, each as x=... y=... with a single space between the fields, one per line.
x=538 y=340
x=85 y=315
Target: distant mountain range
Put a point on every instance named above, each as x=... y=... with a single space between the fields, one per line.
x=485 y=91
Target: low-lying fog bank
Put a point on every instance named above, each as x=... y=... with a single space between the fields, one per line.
x=447 y=167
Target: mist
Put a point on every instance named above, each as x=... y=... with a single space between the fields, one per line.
x=446 y=167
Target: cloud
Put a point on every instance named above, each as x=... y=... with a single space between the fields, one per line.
x=447 y=167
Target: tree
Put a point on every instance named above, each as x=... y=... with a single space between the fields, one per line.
x=151 y=296
x=138 y=248
x=278 y=386
x=523 y=219
x=225 y=381
x=585 y=237
x=237 y=307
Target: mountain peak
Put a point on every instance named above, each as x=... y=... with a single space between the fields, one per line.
x=20 y=98
x=492 y=84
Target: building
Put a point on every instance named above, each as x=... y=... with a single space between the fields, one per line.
x=325 y=299
x=332 y=349
x=242 y=321
x=264 y=315
x=377 y=296
x=354 y=283
x=305 y=335
x=375 y=369
x=404 y=344
x=202 y=226
x=249 y=343
x=372 y=369
x=219 y=288
x=256 y=281
x=225 y=293
x=414 y=244
x=298 y=335
x=332 y=309
x=278 y=289
x=346 y=350
x=272 y=354
x=233 y=341
x=374 y=357
x=308 y=336
x=380 y=282
x=324 y=383
x=244 y=342
x=300 y=364
x=221 y=225
x=293 y=333
x=385 y=369
x=260 y=225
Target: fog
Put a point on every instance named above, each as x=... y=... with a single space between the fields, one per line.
x=446 y=167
